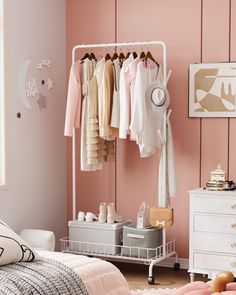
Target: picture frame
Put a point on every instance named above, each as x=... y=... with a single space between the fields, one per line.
x=212 y=90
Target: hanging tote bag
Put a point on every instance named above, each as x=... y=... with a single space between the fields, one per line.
x=161 y=217
x=143 y=216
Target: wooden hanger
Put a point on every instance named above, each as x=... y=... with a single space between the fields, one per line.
x=92 y=56
x=142 y=55
x=135 y=54
x=86 y=55
x=149 y=55
x=127 y=55
x=121 y=56
x=107 y=57
x=115 y=56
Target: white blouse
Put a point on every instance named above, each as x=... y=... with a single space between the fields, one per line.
x=142 y=125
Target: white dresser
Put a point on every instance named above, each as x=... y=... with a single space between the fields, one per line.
x=212 y=236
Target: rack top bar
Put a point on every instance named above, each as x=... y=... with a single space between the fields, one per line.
x=120 y=44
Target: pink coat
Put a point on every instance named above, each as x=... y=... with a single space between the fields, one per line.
x=74 y=99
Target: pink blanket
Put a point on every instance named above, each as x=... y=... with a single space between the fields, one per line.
x=201 y=288
x=99 y=276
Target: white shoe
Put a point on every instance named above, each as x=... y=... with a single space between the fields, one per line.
x=81 y=216
x=112 y=216
x=102 y=217
x=90 y=217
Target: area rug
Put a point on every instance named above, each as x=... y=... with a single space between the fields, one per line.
x=153 y=292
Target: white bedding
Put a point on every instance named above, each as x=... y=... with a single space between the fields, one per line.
x=99 y=276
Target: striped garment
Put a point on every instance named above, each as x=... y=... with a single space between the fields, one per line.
x=45 y=276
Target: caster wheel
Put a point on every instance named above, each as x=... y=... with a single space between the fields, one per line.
x=176 y=266
x=151 y=280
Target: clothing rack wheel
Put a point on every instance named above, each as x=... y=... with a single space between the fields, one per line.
x=151 y=280
x=176 y=266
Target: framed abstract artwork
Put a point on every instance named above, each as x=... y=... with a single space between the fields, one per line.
x=212 y=90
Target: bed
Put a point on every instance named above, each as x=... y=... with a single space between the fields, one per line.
x=27 y=270
x=100 y=277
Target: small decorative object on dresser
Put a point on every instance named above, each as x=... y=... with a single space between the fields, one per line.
x=218 y=181
x=218 y=174
x=212 y=232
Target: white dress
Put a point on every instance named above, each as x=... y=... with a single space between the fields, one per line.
x=124 y=99
x=98 y=73
x=115 y=114
x=142 y=125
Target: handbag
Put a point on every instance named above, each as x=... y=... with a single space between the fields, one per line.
x=143 y=216
x=161 y=217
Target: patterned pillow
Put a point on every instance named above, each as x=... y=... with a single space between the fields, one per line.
x=13 y=248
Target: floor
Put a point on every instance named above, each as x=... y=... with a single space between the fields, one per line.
x=165 y=277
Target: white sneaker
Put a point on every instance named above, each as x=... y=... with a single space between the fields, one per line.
x=81 y=216
x=112 y=216
x=102 y=217
x=90 y=217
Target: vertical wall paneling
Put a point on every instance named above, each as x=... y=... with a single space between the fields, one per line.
x=232 y=125
x=137 y=178
x=88 y=22
x=215 y=48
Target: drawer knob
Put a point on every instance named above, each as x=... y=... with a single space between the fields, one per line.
x=233 y=264
x=233 y=206
x=233 y=225
x=233 y=245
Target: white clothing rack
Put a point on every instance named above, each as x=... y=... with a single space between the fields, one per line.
x=124 y=44
x=164 y=253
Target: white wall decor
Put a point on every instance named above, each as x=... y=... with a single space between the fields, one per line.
x=34 y=89
x=41 y=101
x=49 y=84
x=22 y=77
x=44 y=63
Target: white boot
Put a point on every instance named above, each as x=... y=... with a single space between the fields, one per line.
x=112 y=216
x=102 y=217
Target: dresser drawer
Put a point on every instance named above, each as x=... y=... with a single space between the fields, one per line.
x=214 y=243
x=214 y=223
x=214 y=262
x=221 y=205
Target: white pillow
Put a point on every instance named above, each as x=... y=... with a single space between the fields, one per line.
x=13 y=248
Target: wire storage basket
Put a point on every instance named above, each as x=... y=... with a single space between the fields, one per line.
x=114 y=252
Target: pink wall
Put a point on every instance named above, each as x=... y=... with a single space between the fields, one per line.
x=189 y=30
